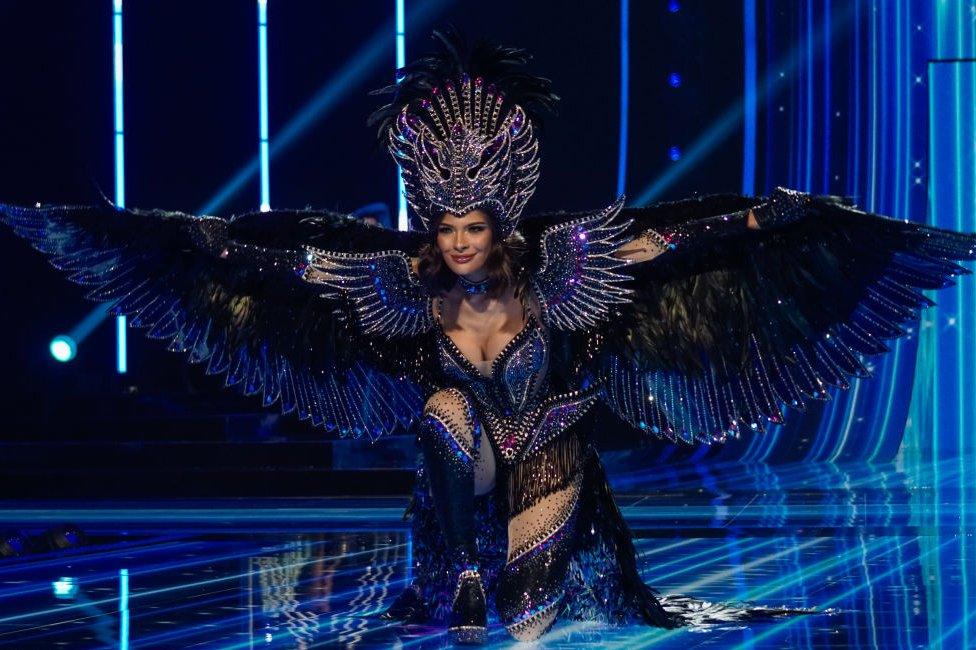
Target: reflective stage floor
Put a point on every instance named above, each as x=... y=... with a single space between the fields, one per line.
x=887 y=556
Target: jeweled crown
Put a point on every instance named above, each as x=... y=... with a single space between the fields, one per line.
x=461 y=149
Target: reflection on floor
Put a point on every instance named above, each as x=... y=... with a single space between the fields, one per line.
x=888 y=554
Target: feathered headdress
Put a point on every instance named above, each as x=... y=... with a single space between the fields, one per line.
x=462 y=128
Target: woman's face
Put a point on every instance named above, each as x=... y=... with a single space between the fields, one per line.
x=465 y=242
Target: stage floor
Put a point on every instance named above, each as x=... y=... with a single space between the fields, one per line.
x=887 y=554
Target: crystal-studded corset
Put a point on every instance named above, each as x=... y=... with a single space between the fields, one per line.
x=518 y=374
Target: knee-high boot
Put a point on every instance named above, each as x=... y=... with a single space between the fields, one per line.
x=449 y=458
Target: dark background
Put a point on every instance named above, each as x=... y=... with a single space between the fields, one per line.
x=191 y=122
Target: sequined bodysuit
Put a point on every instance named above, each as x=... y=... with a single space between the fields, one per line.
x=529 y=426
x=521 y=415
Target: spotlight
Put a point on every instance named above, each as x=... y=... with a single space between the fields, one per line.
x=674 y=153
x=674 y=6
x=674 y=79
x=65 y=588
x=63 y=348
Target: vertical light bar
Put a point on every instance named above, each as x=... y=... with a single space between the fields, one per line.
x=808 y=144
x=750 y=117
x=263 y=102
x=826 y=166
x=749 y=96
x=401 y=60
x=123 y=609
x=121 y=360
x=409 y=571
x=624 y=95
x=949 y=352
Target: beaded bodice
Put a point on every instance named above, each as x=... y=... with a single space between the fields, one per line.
x=518 y=375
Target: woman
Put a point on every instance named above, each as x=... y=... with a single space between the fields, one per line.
x=691 y=320
x=486 y=314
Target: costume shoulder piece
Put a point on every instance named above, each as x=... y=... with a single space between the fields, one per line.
x=576 y=277
x=233 y=293
x=386 y=295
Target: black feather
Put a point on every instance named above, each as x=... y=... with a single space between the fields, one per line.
x=455 y=55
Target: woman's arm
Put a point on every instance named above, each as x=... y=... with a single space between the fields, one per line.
x=651 y=243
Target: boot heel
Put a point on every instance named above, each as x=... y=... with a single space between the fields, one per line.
x=468 y=635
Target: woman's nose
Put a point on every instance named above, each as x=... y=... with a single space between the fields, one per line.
x=460 y=242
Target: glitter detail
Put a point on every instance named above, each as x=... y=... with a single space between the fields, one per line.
x=512 y=400
x=458 y=154
x=474 y=288
x=449 y=417
x=535 y=622
x=551 y=528
x=381 y=287
x=577 y=282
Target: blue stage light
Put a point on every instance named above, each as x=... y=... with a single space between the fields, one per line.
x=120 y=358
x=65 y=588
x=123 y=609
x=674 y=79
x=624 y=95
x=63 y=348
x=263 y=103
x=674 y=153
x=403 y=222
x=122 y=363
x=674 y=6
x=749 y=97
x=357 y=67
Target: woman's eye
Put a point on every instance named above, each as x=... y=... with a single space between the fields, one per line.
x=477 y=228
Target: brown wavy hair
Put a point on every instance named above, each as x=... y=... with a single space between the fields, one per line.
x=504 y=263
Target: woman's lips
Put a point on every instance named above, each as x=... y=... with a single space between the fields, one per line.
x=461 y=259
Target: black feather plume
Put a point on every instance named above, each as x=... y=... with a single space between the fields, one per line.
x=455 y=55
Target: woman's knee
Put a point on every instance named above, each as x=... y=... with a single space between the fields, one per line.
x=449 y=414
x=448 y=425
x=451 y=407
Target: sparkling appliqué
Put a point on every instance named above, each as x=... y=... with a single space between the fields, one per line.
x=512 y=404
x=577 y=281
x=524 y=370
x=457 y=154
x=450 y=418
x=381 y=287
x=474 y=288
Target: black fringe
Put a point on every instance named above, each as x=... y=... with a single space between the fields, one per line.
x=550 y=470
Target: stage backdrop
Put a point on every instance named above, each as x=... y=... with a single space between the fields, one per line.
x=228 y=105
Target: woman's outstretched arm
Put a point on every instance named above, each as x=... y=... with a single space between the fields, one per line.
x=651 y=243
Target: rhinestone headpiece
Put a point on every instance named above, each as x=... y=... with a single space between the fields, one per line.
x=458 y=153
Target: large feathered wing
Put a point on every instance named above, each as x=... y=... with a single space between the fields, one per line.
x=731 y=324
x=232 y=294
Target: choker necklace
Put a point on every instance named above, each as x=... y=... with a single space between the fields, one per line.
x=473 y=288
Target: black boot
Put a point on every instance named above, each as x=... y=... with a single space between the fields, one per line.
x=469 y=618
x=450 y=471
